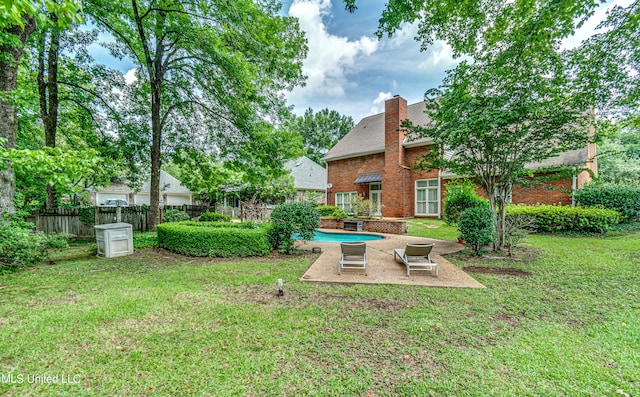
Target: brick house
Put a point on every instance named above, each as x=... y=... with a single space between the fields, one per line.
x=374 y=160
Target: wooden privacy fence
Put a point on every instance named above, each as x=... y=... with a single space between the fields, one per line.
x=80 y=221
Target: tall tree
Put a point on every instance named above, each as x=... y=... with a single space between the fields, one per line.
x=17 y=22
x=619 y=154
x=607 y=65
x=512 y=105
x=491 y=120
x=215 y=67
x=48 y=54
x=60 y=83
x=321 y=131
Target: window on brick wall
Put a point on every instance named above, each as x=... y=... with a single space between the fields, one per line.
x=427 y=197
x=346 y=201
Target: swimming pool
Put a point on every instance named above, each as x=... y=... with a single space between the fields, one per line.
x=342 y=237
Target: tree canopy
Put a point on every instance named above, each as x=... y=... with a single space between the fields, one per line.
x=17 y=22
x=320 y=131
x=209 y=72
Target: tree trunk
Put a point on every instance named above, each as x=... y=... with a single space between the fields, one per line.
x=8 y=116
x=156 y=142
x=49 y=102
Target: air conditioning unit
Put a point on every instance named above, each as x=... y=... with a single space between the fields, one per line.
x=114 y=239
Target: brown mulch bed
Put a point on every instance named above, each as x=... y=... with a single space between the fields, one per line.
x=496 y=270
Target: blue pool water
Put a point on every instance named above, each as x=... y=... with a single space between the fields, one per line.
x=342 y=237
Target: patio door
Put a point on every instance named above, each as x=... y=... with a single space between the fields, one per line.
x=375 y=195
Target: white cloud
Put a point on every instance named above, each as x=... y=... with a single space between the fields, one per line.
x=589 y=27
x=331 y=58
x=401 y=37
x=439 y=57
x=378 y=103
x=130 y=76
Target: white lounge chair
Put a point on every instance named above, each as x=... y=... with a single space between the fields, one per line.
x=417 y=257
x=353 y=256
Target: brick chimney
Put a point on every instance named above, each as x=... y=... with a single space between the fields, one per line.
x=394 y=178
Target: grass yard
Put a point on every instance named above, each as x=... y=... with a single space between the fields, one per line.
x=432 y=228
x=159 y=324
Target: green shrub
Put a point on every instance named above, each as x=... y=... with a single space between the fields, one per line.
x=558 y=219
x=290 y=218
x=339 y=214
x=327 y=210
x=461 y=194
x=477 y=227
x=174 y=216
x=214 y=239
x=624 y=199
x=142 y=240
x=20 y=246
x=214 y=217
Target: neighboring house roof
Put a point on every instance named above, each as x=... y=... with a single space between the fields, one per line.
x=168 y=184
x=367 y=137
x=307 y=174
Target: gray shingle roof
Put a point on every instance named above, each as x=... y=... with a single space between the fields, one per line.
x=168 y=184
x=367 y=137
x=576 y=157
x=307 y=174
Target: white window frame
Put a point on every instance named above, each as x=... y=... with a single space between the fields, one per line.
x=427 y=188
x=509 y=194
x=346 y=202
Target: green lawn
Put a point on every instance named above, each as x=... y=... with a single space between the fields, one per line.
x=160 y=324
x=432 y=228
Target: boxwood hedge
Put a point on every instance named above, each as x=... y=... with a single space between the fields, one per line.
x=624 y=199
x=221 y=239
x=557 y=218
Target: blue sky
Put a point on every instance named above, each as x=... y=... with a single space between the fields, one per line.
x=350 y=70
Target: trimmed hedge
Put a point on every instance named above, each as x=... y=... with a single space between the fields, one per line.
x=219 y=239
x=214 y=217
x=327 y=210
x=556 y=218
x=624 y=199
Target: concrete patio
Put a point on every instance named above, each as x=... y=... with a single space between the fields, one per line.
x=383 y=268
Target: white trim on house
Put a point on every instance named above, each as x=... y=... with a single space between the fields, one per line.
x=418 y=143
x=425 y=207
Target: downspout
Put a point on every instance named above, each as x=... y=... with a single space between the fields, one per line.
x=439 y=194
x=574 y=187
